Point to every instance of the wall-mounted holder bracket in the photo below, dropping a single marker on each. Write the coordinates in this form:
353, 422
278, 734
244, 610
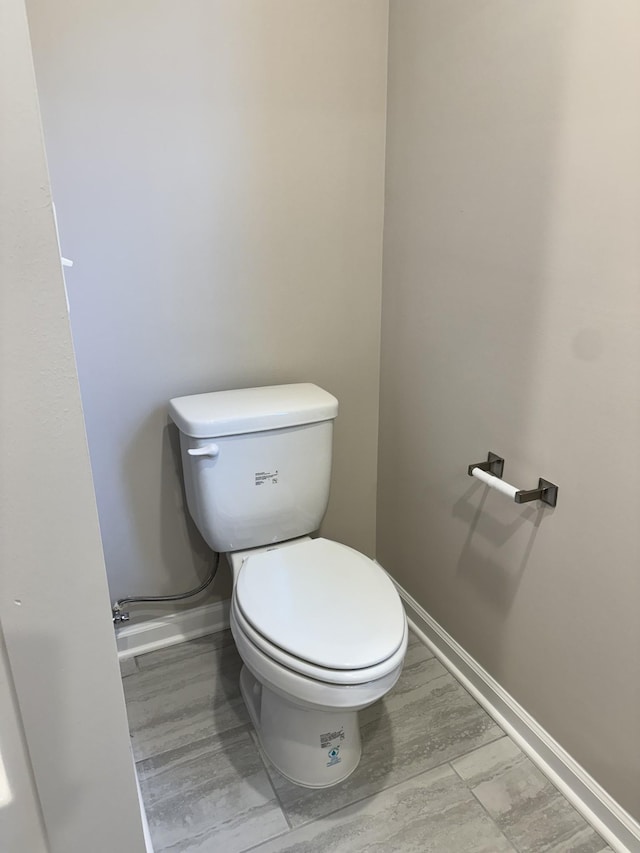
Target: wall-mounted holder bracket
546, 492
494, 465
490, 473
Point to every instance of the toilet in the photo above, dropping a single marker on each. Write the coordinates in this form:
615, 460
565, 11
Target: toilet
319, 626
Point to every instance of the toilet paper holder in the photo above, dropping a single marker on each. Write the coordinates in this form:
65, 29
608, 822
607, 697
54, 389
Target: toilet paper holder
490, 473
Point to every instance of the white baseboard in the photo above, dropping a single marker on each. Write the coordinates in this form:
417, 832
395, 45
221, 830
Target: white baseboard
619, 829
172, 628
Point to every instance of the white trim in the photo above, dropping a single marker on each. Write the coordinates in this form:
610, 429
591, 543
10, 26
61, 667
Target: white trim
619, 829
169, 629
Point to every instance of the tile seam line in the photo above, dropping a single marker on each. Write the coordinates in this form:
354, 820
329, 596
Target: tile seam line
167, 649
484, 808
557, 792
236, 729
390, 787
385, 790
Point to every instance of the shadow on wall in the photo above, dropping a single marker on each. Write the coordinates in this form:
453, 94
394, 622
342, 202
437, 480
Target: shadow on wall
496, 581
184, 558
175, 519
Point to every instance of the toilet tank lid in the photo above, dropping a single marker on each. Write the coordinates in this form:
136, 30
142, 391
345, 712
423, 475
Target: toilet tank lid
245, 410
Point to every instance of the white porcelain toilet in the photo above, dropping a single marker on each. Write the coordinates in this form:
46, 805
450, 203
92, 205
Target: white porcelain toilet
320, 627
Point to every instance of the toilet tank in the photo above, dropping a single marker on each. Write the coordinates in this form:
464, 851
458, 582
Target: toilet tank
256, 462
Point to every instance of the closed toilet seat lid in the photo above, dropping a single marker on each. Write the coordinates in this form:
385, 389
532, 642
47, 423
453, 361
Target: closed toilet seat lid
322, 602
352, 677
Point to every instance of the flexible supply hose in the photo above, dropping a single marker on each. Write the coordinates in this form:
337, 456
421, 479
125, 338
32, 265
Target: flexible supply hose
116, 610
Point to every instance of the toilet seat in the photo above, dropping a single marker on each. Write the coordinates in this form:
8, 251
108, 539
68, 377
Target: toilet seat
318, 673
323, 610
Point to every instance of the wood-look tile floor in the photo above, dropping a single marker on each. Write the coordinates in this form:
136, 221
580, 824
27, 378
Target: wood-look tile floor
437, 774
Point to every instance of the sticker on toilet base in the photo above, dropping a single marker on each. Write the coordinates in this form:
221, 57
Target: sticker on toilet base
334, 756
331, 741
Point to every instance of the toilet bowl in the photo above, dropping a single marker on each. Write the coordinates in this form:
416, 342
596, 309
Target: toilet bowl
320, 627
303, 688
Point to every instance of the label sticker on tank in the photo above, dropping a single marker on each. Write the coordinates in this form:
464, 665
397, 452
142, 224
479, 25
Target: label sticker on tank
263, 477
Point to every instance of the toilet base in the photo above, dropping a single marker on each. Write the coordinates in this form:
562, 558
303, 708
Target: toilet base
311, 747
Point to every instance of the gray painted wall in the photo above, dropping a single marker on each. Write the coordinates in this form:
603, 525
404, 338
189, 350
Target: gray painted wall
60, 684
218, 177
511, 322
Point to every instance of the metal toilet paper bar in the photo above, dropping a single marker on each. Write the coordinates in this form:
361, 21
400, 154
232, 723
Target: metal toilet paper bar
490, 473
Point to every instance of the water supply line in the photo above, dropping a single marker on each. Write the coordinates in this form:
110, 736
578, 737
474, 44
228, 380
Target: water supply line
119, 615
